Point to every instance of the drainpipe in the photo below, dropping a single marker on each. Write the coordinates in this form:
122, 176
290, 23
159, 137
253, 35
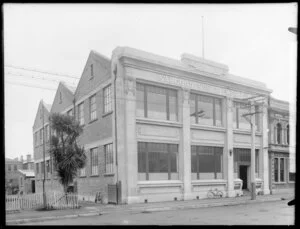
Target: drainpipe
116, 136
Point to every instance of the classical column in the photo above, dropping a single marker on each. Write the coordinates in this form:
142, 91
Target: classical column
186, 145
130, 136
228, 151
264, 155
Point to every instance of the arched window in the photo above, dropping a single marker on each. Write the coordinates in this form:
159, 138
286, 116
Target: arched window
288, 134
279, 130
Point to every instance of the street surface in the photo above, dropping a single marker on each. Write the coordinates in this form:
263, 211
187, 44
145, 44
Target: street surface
268, 213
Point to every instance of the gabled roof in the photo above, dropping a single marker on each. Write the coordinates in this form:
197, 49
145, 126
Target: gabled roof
63, 98
38, 117
27, 173
101, 68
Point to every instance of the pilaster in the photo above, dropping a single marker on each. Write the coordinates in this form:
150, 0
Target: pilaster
228, 151
186, 146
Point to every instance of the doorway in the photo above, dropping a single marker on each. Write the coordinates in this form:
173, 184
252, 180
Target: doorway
33, 186
244, 175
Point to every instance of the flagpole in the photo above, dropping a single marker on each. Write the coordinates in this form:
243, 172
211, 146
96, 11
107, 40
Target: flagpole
202, 38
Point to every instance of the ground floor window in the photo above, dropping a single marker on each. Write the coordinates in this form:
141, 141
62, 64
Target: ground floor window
109, 166
243, 156
279, 169
206, 162
157, 161
292, 177
94, 161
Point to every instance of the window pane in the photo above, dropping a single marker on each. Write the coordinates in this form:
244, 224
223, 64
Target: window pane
205, 110
279, 129
243, 123
108, 158
107, 99
193, 108
173, 105
281, 169
276, 169
194, 162
156, 103
218, 110
140, 100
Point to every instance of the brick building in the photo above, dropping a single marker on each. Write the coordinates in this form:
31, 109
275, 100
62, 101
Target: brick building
163, 129
11, 175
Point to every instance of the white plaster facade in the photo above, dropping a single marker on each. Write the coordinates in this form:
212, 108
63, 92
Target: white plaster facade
190, 75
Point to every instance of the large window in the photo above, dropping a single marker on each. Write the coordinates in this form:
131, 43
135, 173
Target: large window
279, 169
288, 134
47, 134
242, 156
93, 108
156, 102
206, 162
94, 161
206, 110
279, 133
80, 114
107, 99
157, 161
108, 150
240, 122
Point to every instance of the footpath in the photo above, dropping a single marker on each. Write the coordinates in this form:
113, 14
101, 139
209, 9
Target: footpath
93, 209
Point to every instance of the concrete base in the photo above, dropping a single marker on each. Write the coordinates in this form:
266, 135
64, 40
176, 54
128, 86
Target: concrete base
133, 199
231, 193
188, 196
267, 191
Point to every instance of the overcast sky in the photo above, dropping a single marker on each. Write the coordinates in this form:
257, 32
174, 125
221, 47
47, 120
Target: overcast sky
253, 40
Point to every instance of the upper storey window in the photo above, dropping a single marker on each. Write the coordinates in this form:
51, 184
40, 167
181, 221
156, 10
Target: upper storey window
239, 121
278, 135
156, 102
206, 110
80, 114
288, 134
107, 99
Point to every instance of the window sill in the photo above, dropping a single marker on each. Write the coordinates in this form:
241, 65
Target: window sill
158, 122
94, 120
202, 127
96, 175
106, 114
205, 182
108, 174
160, 183
83, 176
244, 131
281, 182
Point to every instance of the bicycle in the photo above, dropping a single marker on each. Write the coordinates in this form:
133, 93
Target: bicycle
214, 193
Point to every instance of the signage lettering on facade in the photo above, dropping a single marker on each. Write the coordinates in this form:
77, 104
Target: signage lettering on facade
203, 87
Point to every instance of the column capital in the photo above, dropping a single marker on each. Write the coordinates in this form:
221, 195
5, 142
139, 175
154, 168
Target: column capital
130, 86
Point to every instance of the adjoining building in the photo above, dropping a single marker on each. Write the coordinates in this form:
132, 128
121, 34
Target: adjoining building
159, 129
281, 148
11, 175
26, 181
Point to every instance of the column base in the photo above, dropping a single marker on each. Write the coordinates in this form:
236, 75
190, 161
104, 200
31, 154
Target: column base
267, 191
187, 196
231, 193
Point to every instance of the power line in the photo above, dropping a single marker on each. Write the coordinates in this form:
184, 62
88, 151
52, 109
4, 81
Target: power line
27, 85
40, 71
37, 77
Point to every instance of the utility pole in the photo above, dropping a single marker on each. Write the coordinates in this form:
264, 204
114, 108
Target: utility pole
44, 179
202, 38
252, 166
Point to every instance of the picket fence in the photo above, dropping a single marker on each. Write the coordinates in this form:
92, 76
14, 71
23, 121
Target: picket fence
54, 200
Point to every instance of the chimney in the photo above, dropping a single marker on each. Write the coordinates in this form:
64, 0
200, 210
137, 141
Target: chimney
21, 158
28, 157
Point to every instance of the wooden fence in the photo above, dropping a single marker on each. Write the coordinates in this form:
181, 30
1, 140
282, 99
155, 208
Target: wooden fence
54, 200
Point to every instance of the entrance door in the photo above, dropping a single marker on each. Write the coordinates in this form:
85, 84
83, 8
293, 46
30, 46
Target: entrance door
33, 186
243, 175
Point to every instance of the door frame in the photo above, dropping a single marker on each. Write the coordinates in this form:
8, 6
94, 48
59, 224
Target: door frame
248, 172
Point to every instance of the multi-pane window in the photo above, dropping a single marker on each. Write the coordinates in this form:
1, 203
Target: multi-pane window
292, 177
241, 155
108, 150
82, 172
156, 102
206, 162
80, 114
70, 112
240, 122
288, 134
15, 167
94, 161
206, 110
157, 161
107, 99
41, 136
279, 133
36, 138
279, 169
93, 108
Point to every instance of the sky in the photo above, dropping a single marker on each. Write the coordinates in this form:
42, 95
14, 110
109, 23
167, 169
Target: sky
251, 39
